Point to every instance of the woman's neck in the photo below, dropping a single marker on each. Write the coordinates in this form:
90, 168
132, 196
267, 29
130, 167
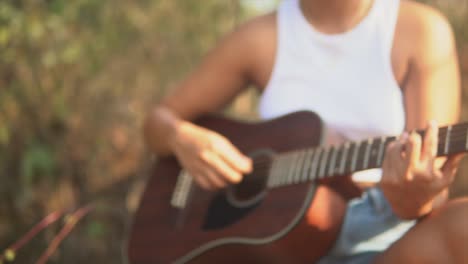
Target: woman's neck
335, 16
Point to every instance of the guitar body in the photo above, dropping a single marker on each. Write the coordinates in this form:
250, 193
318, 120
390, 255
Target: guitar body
291, 224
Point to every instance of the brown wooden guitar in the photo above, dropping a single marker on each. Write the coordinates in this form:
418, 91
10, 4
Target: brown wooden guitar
288, 210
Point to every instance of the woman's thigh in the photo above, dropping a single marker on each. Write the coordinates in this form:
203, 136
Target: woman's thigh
442, 237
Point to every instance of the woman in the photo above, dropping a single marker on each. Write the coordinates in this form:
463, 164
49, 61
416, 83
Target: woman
368, 68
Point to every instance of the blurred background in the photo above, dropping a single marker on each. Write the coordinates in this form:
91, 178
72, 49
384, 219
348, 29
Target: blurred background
76, 78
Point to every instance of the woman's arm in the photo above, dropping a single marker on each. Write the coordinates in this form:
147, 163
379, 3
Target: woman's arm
209, 157
414, 181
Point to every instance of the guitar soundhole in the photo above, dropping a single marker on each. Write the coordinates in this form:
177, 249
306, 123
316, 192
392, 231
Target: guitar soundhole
239, 200
252, 188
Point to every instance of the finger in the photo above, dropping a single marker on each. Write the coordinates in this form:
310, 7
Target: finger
234, 157
214, 179
400, 157
204, 171
402, 150
222, 168
447, 173
387, 176
451, 164
413, 153
442, 179
202, 182
392, 163
429, 146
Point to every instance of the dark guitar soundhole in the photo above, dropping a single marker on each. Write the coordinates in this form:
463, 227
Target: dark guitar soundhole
222, 214
252, 188
238, 200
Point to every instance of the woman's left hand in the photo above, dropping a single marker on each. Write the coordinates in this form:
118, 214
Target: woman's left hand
412, 179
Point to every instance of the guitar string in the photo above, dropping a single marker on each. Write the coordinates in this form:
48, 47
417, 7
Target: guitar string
262, 166
268, 160
456, 137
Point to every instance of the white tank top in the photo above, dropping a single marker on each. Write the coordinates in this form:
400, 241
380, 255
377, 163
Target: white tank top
346, 78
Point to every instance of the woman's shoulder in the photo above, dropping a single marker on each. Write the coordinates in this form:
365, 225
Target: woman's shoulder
257, 29
424, 31
255, 42
423, 23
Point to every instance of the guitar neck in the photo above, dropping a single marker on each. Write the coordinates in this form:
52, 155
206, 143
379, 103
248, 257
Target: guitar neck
317, 163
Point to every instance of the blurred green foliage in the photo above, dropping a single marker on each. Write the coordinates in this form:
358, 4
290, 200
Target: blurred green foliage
37, 160
96, 229
75, 78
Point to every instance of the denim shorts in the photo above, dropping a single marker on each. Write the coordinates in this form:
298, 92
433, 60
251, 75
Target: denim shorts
369, 227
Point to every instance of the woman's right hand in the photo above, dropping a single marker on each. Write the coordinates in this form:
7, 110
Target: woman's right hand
211, 159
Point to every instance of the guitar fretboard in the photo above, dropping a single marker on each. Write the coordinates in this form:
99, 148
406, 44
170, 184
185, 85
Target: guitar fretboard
320, 162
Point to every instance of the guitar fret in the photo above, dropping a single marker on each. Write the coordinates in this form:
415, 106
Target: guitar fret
361, 156
381, 151
274, 172
373, 153
466, 140
314, 166
291, 164
279, 161
306, 165
354, 157
299, 164
349, 159
447, 140
343, 158
456, 145
308, 159
292, 167
331, 167
299, 167
278, 170
366, 154
283, 169
337, 163
271, 173
323, 163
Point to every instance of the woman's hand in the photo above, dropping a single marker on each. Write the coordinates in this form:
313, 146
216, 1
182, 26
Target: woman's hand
411, 179
208, 157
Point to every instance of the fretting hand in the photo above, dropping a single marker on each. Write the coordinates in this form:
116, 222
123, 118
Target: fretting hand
412, 180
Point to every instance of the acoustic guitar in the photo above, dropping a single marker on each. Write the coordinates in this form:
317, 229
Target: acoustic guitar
288, 210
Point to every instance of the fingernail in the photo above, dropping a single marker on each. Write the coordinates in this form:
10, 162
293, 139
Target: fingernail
433, 123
